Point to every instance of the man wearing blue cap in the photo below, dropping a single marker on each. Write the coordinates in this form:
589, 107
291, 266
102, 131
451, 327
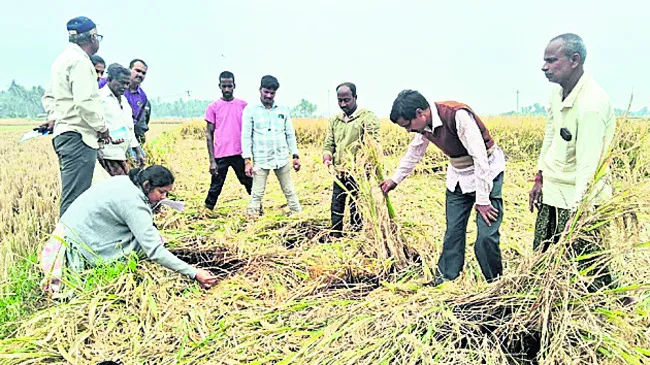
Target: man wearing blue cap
72, 101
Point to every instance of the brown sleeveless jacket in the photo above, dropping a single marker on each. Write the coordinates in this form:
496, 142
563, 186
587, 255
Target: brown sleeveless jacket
446, 136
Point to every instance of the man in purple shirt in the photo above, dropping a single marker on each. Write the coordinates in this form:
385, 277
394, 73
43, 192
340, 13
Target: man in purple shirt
223, 134
138, 99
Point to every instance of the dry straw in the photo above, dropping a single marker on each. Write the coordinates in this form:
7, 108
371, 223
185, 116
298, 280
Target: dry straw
285, 298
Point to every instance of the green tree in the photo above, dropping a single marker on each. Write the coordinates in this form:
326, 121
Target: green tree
304, 110
18, 102
178, 109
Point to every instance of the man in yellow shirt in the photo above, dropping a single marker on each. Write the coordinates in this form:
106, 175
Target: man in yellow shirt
72, 102
579, 130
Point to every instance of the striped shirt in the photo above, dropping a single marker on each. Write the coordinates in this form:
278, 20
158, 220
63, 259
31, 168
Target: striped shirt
268, 136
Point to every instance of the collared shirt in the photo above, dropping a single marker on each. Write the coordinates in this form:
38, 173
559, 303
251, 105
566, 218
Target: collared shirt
226, 115
118, 114
568, 167
345, 135
268, 136
72, 97
476, 178
137, 99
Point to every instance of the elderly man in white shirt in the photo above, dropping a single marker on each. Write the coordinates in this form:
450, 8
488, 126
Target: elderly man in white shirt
474, 177
580, 129
117, 111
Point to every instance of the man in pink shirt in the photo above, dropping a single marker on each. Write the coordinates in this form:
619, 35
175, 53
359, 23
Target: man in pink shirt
223, 134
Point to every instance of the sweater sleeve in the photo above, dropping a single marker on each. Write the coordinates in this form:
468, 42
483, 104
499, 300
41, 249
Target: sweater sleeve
328, 144
372, 127
140, 223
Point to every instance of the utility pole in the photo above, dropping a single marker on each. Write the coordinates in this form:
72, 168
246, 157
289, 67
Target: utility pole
517, 101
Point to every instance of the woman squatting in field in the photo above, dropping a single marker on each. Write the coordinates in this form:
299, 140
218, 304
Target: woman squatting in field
110, 221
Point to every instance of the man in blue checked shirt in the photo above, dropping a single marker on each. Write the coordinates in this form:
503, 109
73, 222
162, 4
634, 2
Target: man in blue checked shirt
268, 138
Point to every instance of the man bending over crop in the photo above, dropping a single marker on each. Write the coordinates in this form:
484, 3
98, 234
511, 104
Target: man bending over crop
474, 177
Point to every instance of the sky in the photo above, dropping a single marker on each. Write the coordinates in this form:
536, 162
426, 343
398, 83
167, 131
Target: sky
476, 52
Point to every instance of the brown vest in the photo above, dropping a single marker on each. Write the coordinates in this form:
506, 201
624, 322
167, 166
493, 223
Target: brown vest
446, 136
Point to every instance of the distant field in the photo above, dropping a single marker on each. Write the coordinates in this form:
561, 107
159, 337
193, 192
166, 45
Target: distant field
25, 125
35, 122
15, 127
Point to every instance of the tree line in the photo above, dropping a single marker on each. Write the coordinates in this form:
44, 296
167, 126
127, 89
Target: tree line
20, 102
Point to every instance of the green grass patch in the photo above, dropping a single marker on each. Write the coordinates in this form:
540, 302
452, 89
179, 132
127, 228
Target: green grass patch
20, 294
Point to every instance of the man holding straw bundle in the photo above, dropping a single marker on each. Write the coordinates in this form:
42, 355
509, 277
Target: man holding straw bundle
474, 177
345, 135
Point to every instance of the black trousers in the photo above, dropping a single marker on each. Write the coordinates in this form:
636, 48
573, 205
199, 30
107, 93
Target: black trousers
77, 163
216, 184
459, 207
339, 198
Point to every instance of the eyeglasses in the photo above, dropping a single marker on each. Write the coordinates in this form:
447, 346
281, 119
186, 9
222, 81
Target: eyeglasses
99, 37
